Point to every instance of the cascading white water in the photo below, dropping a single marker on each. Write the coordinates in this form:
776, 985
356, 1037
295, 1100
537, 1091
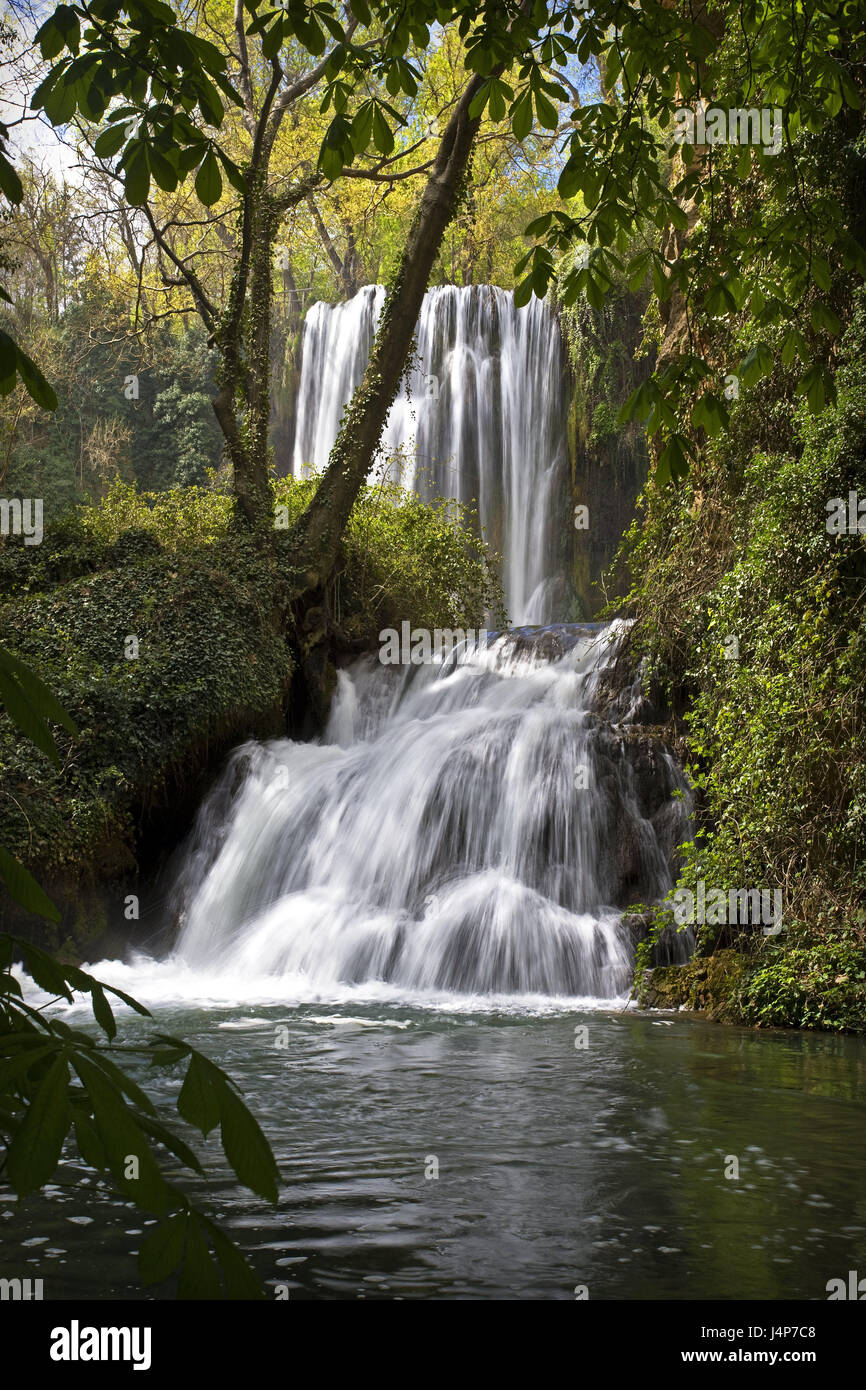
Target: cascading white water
480, 417
467, 827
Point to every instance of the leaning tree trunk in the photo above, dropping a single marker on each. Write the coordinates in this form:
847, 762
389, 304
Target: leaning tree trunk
318, 532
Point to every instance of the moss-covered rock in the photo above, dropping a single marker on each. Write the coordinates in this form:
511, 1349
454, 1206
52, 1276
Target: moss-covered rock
706, 983
163, 663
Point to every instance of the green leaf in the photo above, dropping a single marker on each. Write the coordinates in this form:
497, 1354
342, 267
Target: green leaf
89, 1143
538, 227
310, 36
233, 173
60, 103
197, 1102
330, 162
102, 1012
523, 292
198, 1275
50, 39
521, 116
720, 301
122, 1138
820, 268
110, 141
362, 126
39, 704
272, 39
570, 181
165, 175
638, 404
208, 180
383, 137
22, 886
161, 1252
823, 319
637, 270
710, 414
35, 1151
239, 1278
209, 103
35, 384
171, 1141
47, 972
546, 112
136, 181
27, 1057
794, 346
10, 183
672, 464
817, 386
757, 363
480, 100
246, 1148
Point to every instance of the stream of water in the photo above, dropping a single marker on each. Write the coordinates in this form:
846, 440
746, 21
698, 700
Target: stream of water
557, 1167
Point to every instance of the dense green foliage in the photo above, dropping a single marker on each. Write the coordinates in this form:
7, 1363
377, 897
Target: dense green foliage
404, 558
164, 435
753, 613
737, 230
64, 1091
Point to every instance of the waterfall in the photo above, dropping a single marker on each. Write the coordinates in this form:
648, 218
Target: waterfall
480, 417
472, 826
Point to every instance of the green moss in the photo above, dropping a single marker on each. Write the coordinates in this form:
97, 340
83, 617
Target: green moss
709, 984
817, 984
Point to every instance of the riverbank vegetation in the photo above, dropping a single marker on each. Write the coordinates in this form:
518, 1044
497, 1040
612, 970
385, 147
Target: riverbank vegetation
748, 585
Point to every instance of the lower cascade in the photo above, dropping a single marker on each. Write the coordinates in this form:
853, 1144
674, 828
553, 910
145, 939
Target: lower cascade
473, 826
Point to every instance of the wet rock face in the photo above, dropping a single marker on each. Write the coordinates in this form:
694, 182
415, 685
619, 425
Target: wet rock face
547, 642
641, 803
645, 822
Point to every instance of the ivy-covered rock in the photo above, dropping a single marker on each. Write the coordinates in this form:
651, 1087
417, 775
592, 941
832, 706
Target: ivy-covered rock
161, 663
707, 983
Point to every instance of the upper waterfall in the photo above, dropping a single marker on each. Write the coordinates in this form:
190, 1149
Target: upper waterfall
480, 417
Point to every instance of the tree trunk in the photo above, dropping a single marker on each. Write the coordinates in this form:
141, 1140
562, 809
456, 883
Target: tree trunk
242, 402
